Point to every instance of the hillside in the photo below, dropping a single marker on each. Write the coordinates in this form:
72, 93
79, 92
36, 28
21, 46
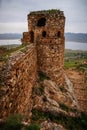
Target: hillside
10, 36
76, 37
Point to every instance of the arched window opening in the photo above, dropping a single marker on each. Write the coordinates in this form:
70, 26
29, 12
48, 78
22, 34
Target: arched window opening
31, 36
59, 34
41, 22
44, 34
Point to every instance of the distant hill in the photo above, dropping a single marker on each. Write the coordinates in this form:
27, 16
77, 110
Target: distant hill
10, 36
76, 37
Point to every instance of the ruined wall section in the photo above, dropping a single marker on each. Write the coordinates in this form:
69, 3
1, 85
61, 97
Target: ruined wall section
18, 76
26, 38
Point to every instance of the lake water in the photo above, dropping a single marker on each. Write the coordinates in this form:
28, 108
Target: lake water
10, 42
76, 45
68, 45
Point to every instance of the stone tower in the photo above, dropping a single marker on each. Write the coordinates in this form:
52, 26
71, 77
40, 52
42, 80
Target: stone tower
46, 32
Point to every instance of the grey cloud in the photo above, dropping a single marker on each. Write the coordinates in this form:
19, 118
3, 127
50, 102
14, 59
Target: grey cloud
0, 3
17, 10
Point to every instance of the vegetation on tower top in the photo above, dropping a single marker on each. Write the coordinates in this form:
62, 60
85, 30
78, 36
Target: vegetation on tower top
50, 11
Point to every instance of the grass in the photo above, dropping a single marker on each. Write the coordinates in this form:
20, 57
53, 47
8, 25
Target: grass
64, 107
38, 90
1, 82
77, 65
67, 109
37, 115
62, 89
53, 10
13, 122
33, 127
82, 67
9, 46
7, 52
41, 90
75, 59
50, 11
70, 123
43, 76
70, 64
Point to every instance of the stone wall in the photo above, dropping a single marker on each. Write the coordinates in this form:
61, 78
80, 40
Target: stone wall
50, 58
18, 76
26, 38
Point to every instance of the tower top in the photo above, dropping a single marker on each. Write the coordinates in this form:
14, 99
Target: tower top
47, 19
47, 12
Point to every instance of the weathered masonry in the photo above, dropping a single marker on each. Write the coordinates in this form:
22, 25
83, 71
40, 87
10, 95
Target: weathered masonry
44, 53
46, 32
18, 76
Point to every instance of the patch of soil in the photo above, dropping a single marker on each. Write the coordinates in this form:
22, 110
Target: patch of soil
80, 89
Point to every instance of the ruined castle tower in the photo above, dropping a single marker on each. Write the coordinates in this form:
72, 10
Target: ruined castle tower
46, 32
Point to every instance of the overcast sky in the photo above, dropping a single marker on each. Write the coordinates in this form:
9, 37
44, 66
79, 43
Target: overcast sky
13, 14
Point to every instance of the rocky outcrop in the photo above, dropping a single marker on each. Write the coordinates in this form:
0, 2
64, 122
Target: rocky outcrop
49, 97
48, 125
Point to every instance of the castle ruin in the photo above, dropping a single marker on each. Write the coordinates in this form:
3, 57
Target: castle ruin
46, 33
44, 53
22, 91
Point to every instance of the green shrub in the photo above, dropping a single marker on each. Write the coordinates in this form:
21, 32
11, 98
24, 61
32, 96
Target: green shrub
33, 127
13, 122
43, 76
41, 89
62, 89
70, 123
64, 107
37, 115
0, 82
38, 90
70, 64
82, 67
